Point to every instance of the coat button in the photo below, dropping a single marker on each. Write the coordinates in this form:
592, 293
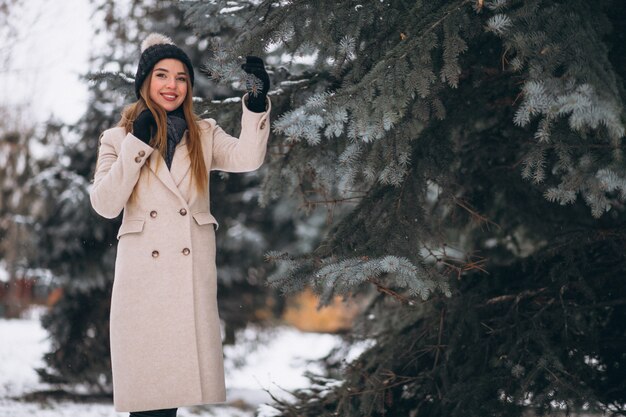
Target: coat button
153, 214
155, 253
142, 153
138, 159
183, 212
186, 251
263, 124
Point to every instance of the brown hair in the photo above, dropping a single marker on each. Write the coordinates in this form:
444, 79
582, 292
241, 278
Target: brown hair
199, 171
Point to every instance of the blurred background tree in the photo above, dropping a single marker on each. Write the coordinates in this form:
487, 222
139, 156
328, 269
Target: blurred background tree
470, 153
19, 161
8, 29
17, 166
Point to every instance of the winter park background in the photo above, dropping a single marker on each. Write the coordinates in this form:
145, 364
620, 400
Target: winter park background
444, 178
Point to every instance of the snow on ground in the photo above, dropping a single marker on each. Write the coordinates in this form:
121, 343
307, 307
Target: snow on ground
277, 361
273, 360
22, 346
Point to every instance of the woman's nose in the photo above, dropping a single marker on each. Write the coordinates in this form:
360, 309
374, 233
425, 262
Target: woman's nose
171, 82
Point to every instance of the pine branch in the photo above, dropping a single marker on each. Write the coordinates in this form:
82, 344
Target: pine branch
475, 215
516, 297
385, 290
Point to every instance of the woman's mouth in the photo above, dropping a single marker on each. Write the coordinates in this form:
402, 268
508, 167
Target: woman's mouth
169, 96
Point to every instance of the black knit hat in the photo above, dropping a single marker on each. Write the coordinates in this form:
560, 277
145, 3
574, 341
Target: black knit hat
153, 49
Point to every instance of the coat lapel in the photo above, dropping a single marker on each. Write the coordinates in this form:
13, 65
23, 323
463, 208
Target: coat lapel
181, 164
163, 173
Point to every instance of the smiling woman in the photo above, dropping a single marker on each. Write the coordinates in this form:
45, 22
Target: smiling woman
166, 349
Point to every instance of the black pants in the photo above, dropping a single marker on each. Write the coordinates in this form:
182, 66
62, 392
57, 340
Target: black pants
168, 412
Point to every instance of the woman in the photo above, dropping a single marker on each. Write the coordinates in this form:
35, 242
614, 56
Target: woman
166, 349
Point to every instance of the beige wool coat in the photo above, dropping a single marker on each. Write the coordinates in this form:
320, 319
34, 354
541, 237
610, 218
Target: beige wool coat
166, 348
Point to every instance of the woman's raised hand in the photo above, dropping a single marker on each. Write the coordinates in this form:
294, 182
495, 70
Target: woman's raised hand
256, 94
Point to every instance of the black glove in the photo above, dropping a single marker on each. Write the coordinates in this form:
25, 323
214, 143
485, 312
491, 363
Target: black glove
256, 98
144, 126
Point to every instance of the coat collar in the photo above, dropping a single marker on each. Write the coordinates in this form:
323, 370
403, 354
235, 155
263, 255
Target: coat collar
181, 165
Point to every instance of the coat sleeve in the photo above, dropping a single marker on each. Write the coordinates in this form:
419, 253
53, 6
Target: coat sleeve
116, 172
248, 152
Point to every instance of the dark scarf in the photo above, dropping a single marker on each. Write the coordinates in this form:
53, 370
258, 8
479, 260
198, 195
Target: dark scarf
176, 126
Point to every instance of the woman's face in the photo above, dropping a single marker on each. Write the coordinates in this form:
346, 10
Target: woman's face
168, 84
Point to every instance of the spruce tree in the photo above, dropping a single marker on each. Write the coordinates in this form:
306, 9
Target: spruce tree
470, 155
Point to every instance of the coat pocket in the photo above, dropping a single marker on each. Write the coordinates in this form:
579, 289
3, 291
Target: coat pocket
130, 226
204, 217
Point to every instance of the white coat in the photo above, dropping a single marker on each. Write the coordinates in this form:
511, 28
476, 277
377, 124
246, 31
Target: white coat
166, 348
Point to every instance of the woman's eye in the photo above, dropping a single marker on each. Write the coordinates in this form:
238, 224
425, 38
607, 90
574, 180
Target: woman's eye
161, 75
183, 79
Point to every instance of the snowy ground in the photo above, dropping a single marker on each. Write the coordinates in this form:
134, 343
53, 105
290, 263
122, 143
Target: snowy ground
273, 361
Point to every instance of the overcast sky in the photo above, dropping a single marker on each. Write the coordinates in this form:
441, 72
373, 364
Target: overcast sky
49, 56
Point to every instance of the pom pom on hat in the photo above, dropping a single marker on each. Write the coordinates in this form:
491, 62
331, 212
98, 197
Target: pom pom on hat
153, 49
155, 39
